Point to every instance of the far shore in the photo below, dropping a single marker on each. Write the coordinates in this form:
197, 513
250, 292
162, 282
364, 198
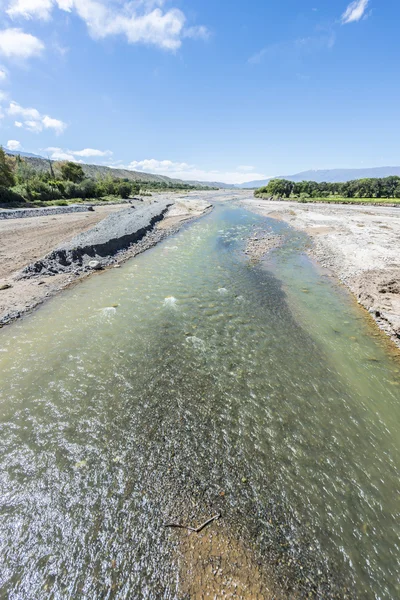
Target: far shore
358, 243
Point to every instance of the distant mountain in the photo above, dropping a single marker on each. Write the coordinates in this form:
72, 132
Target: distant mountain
42, 164
329, 175
23, 154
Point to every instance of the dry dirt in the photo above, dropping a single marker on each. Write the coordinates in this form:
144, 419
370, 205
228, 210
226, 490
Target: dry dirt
24, 240
360, 244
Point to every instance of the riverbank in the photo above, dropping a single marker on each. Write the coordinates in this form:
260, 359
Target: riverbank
358, 243
31, 249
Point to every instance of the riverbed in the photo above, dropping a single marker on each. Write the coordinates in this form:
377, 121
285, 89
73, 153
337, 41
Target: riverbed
193, 382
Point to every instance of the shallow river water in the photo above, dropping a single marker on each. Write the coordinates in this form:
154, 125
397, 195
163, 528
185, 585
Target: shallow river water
188, 383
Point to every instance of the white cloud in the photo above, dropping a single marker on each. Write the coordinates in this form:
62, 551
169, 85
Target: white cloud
355, 11
13, 145
3, 74
182, 170
62, 154
139, 21
14, 43
91, 152
3, 96
27, 113
56, 124
30, 8
33, 120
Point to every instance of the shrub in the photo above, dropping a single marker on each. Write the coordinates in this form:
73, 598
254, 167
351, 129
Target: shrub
124, 190
8, 196
36, 189
107, 186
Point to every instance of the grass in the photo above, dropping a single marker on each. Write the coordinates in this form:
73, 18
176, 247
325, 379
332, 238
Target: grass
341, 200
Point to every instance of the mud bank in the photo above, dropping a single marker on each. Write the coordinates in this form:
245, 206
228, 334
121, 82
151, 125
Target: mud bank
358, 243
120, 236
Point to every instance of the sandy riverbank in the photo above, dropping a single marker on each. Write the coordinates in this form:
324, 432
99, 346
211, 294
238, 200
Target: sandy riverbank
359, 244
27, 241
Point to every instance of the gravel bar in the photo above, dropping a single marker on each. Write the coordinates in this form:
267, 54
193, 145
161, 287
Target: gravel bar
99, 245
24, 213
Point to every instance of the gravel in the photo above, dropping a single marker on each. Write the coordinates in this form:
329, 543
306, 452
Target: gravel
116, 232
24, 213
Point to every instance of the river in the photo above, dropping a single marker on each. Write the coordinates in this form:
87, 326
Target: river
187, 383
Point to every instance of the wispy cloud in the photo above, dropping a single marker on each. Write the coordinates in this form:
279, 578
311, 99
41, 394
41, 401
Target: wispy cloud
182, 170
139, 21
355, 11
299, 47
33, 121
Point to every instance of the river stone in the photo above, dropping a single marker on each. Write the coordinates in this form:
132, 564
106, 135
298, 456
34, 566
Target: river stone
95, 265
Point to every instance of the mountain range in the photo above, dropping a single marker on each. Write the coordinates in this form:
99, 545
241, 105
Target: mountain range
39, 163
328, 175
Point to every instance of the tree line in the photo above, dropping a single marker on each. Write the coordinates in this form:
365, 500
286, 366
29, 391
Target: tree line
20, 182
387, 187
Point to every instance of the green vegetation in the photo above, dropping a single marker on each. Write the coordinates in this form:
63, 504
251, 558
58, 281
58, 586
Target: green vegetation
72, 172
6, 173
386, 190
20, 182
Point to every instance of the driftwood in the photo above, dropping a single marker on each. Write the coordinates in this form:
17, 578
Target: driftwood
195, 529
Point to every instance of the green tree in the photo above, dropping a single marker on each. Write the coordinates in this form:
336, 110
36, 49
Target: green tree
71, 171
6, 175
124, 189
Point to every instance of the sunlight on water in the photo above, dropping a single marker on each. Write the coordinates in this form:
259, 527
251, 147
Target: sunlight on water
190, 382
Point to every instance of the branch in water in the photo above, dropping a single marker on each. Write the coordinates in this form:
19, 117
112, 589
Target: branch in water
195, 529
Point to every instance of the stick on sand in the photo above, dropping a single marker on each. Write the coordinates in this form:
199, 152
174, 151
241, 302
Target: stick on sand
195, 529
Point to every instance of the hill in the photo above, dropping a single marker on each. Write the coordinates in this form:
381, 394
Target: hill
23, 154
329, 176
96, 171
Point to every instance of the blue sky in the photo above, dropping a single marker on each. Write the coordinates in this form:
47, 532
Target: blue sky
203, 89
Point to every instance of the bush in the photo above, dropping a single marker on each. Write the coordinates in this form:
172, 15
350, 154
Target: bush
107, 186
61, 203
8, 196
36, 189
124, 190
